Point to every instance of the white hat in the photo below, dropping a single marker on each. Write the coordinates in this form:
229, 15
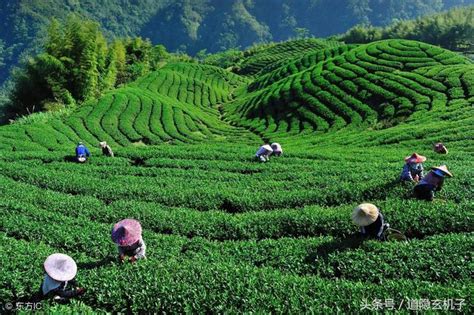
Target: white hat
60, 267
267, 147
276, 146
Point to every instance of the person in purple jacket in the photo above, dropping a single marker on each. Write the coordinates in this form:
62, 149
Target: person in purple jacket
431, 183
82, 153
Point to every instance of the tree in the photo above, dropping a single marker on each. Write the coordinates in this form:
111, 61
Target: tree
77, 65
157, 55
118, 61
301, 33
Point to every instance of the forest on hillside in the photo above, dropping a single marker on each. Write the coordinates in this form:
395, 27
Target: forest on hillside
77, 62
194, 25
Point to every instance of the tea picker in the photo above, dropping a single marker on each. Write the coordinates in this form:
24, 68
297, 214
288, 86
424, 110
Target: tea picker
127, 234
277, 150
59, 281
82, 153
431, 183
440, 148
264, 152
370, 220
106, 149
413, 168
372, 224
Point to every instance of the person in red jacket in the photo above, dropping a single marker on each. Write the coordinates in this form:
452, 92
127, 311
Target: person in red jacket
432, 182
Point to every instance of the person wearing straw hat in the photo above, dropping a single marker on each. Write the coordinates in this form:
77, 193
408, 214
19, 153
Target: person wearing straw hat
370, 220
59, 281
82, 153
413, 169
106, 149
277, 150
264, 152
127, 234
440, 148
432, 182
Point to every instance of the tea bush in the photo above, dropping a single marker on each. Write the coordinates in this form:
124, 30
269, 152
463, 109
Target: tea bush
228, 234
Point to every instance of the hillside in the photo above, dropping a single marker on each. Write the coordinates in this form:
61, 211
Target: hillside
192, 26
226, 233
339, 87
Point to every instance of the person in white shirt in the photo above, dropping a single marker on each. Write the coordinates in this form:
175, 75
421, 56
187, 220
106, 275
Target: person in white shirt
59, 280
264, 152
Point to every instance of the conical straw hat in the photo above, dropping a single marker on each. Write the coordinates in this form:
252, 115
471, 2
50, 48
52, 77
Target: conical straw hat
365, 214
444, 169
60, 267
440, 148
415, 158
126, 232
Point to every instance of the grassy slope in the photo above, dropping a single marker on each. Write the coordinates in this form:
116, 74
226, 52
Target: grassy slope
227, 233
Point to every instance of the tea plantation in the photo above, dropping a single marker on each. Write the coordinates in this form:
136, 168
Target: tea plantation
226, 233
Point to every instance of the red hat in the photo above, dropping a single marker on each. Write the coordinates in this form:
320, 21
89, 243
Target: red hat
126, 232
415, 158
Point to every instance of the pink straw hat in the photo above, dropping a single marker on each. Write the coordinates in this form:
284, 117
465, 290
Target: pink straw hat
415, 158
126, 232
60, 267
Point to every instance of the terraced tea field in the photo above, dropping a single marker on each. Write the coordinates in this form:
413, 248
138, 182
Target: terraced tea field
227, 234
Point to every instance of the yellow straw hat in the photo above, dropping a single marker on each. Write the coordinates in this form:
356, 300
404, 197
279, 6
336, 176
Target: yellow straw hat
365, 214
443, 169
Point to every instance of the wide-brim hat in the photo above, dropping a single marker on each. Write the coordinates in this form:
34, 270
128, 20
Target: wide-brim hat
126, 232
440, 148
267, 147
275, 145
60, 267
415, 158
365, 214
444, 169
102, 144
